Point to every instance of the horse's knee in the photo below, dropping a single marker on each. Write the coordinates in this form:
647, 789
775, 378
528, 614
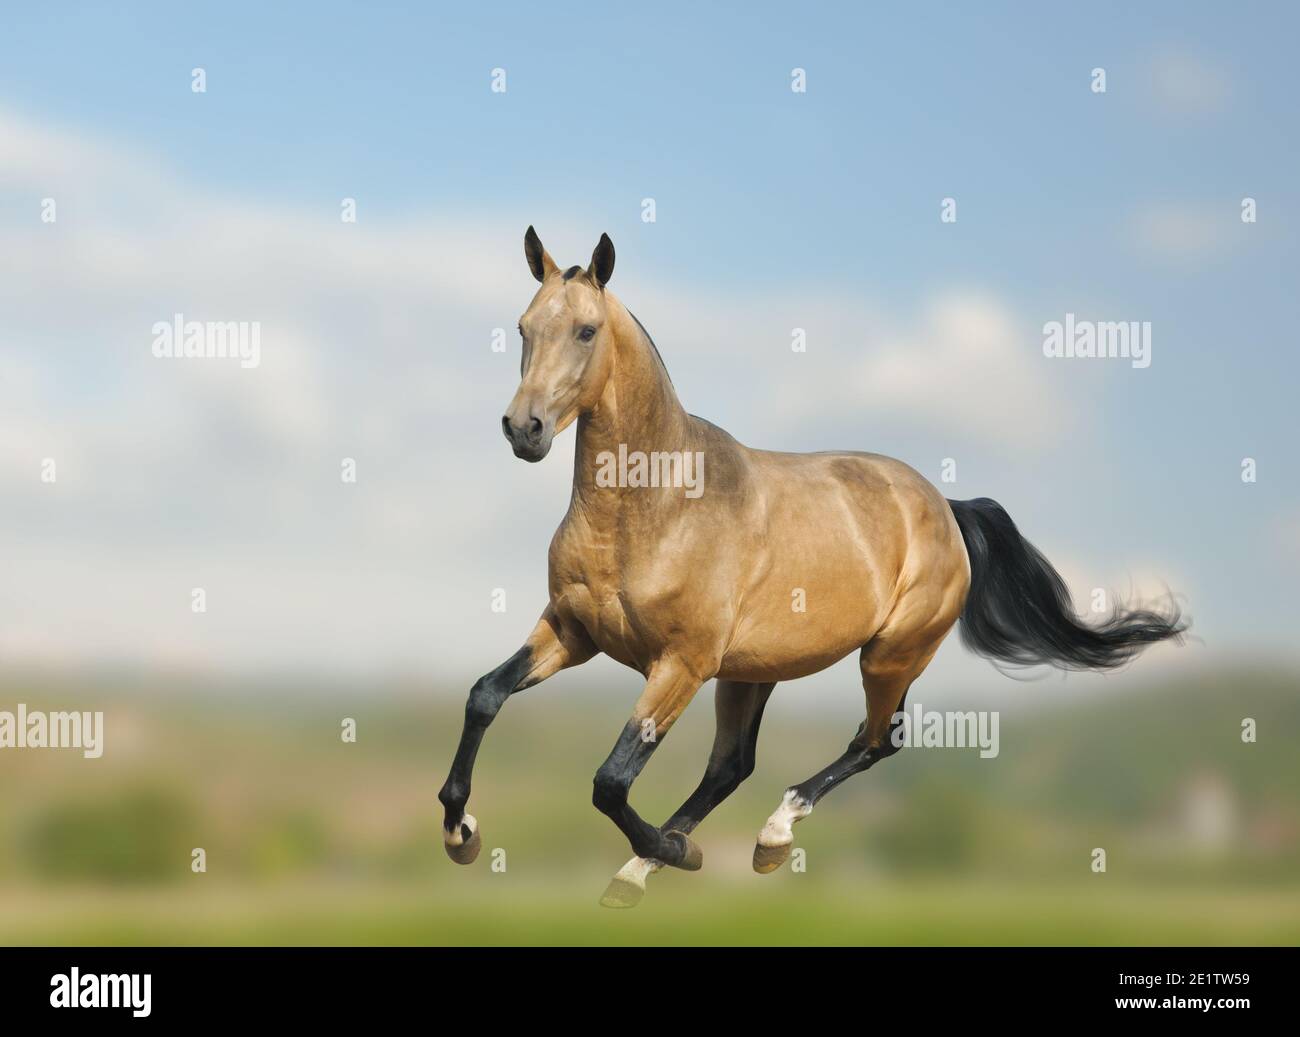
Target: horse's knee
486, 698
608, 790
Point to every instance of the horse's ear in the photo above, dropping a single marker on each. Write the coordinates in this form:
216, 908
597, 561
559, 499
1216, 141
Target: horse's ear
539, 260
602, 261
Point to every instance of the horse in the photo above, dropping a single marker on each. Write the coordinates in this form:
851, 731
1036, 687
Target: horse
687, 565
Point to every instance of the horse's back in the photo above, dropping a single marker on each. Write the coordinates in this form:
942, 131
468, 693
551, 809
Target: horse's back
884, 498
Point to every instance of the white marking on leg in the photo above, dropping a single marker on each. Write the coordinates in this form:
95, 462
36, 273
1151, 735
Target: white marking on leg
637, 870
779, 830
456, 836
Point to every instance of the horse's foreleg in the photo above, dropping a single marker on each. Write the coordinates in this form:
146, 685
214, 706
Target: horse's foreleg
669, 688
739, 710
548, 650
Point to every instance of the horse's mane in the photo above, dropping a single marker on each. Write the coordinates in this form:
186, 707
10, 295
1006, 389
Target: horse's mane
662, 365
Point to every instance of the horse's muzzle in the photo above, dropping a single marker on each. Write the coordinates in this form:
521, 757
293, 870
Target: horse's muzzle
530, 440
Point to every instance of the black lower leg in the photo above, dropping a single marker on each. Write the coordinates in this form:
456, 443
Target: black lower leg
610, 791
856, 758
739, 708
485, 701
714, 787
721, 778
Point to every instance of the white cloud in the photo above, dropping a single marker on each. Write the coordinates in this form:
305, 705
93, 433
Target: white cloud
966, 366
1286, 535
1184, 232
1187, 83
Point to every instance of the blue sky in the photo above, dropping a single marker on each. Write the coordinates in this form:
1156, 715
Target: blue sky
774, 210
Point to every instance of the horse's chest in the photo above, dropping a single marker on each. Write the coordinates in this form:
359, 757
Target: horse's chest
600, 610
590, 588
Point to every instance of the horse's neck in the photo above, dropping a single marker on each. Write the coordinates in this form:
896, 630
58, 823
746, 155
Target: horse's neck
638, 410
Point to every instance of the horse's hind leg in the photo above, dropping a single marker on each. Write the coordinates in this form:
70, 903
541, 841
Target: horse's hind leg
887, 673
739, 710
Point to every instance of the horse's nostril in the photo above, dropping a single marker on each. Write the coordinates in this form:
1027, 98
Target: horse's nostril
505, 424
534, 427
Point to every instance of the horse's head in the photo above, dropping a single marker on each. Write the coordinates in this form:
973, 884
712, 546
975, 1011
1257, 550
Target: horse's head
566, 348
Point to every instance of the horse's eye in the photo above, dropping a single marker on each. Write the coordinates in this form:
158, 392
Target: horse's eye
587, 334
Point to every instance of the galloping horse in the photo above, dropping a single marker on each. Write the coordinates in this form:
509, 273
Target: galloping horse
686, 585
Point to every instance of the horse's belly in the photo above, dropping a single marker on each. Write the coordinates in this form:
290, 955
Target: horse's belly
813, 604
801, 631
773, 654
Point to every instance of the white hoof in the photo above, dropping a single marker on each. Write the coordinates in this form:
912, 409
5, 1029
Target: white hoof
462, 848
457, 837
628, 887
776, 840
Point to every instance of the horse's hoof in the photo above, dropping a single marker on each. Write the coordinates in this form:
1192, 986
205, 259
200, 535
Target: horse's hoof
465, 849
622, 892
768, 858
692, 855
628, 887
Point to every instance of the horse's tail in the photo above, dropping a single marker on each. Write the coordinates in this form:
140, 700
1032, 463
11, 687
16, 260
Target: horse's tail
1018, 610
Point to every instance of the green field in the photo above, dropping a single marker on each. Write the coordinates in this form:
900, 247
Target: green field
739, 910
313, 841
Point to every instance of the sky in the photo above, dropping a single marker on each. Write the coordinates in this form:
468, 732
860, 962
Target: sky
774, 210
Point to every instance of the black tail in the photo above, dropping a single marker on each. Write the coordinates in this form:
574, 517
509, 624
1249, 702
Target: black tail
1018, 611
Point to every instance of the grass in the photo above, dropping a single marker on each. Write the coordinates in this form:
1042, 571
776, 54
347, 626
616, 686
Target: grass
784, 909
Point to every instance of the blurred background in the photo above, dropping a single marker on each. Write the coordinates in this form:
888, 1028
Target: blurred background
774, 211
